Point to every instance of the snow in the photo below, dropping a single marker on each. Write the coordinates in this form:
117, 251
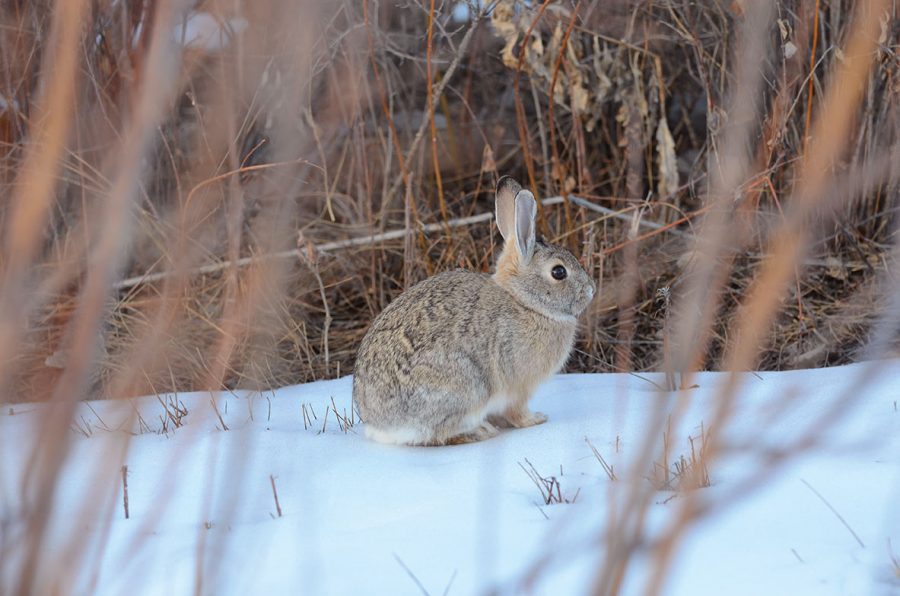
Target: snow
361, 517
201, 31
204, 31
462, 12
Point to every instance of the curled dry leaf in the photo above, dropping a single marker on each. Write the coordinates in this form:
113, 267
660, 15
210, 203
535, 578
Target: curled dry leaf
785, 28
503, 19
666, 160
571, 89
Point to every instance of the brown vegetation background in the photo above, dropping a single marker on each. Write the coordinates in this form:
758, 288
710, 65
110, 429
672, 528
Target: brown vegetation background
247, 193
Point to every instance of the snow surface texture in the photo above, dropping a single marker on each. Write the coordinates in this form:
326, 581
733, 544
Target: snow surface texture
360, 517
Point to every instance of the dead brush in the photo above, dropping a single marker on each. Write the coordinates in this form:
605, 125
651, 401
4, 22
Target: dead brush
549, 486
82, 427
610, 117
610, 473
309, 415
345, 421
174, 412
685, 473
275, 496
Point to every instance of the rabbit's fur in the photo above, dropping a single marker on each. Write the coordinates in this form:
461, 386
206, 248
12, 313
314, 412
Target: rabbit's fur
461, 353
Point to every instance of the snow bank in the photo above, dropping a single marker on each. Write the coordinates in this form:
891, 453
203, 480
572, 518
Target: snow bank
359, 517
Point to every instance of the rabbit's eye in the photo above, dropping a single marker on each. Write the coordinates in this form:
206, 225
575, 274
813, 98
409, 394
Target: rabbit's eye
559, 272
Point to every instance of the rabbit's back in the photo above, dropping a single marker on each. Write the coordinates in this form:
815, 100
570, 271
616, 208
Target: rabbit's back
448, 318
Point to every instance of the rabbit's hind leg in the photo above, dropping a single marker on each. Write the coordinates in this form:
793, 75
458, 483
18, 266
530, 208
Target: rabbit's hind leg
484, 431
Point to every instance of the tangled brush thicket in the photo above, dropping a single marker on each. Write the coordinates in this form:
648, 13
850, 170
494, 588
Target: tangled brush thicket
586, 74
309, 127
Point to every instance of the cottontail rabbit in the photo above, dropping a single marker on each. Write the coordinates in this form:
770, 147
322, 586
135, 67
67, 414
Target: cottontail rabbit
461, 353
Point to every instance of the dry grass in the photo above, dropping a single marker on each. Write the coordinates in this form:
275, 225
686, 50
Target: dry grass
688, 471
549, 486
219, 191
233, 217
607, 468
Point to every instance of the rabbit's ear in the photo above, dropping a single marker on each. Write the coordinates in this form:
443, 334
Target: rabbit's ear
505, 205
526, 210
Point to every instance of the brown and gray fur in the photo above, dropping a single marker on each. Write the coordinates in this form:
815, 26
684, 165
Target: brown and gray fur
461, 353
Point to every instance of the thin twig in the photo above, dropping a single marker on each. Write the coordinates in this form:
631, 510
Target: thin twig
606, 467
438, 92
125, 490
439, 183
411, 575
147, 278
450, 583
312, 261
834, 511
551, 101
212, 400
275, 494
521, 120
812, 77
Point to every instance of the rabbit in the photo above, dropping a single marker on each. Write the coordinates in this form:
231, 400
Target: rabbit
460, 354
